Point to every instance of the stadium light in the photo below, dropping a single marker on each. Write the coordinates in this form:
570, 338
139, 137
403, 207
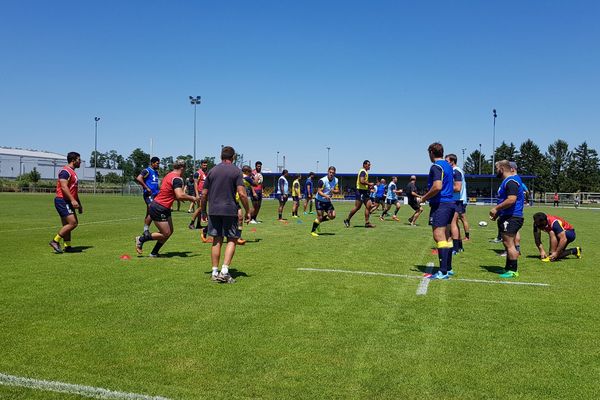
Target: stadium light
493, 154
96, 119
479, 158
463, 151
194, 101
277, 164
317, 166
328, 148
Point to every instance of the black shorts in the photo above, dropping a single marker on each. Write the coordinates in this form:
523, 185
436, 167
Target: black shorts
414, 204
63, 207
296, 198
223, 226
148, 198
510, 225
324, 206
159, 213
282, 197
363, 195
379, 200
461, 207
391, 201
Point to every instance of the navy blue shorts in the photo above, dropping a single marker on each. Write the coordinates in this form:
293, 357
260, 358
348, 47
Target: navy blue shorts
461, 207
363, 195
391, 201
148, 198
570, 233
64, 209
282, 197
441, 214
324, 206
295, 198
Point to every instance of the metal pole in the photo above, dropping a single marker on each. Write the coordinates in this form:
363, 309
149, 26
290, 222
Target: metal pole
317, 166
194, 101
463, 159
479, 158
96, 119
328, 148
277, 166
493, 156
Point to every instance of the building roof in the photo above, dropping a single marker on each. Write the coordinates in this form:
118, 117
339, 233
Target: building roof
5, 151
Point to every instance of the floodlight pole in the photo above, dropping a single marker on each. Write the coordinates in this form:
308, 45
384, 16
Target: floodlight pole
277, 165
96, 119
194, 101
317, 166
328, 148
479, 158
493, 154
463, 159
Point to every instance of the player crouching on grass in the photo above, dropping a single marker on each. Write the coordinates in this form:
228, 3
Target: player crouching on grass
172, 189
222, 184
326, 187
561, 234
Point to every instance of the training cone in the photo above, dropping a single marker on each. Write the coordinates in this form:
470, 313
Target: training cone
253, 230
125, 257
434, 251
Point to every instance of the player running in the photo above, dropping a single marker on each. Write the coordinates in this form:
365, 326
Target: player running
66, 202
392, 199
148, 180
172, 189
414, 202
363, 187
441, 201
509, 212
326, 188
561, 234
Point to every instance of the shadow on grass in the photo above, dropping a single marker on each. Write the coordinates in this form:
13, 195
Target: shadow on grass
256, 240
79, 249
233, 272
326, 234
498, 251
170, 254
494, 269
425, 269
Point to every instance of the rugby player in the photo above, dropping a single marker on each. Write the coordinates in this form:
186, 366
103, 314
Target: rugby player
199, 176
258, 189
509, 212
282, 193
561, 234
66, 202
392, 199
148, 180
441, 201
222, 184
296, 195
460, 199
326, 188
308, 193
172, 189
379, 196
413, 200
363, 187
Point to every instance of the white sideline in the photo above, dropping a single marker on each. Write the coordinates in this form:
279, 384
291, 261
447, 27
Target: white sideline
60, 387
419, 277
424, 284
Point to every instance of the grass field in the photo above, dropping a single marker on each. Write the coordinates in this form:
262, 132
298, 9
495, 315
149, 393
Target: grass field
160, 327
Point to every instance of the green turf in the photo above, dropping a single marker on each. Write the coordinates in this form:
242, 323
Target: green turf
160, 327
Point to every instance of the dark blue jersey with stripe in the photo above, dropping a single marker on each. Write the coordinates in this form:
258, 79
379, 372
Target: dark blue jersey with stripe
512, 186
441, 170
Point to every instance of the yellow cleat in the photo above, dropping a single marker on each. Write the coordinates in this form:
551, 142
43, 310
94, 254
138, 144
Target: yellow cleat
578, 252
315, 234
547, 259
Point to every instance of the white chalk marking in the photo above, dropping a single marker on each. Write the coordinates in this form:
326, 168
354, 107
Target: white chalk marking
419, 277
424, 284
60, 387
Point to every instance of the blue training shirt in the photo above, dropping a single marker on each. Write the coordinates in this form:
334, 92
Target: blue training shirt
512, 186
326, 187
151, 180
391, 193
441, 170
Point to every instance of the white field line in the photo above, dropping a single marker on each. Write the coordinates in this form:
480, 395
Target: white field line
60, 387
419, 277
424, 284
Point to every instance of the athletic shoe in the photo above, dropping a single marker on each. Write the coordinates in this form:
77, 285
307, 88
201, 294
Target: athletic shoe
191, 226
578, 255
138, 245
496, 240
153, 255
294, 216
315, 234
454, 252
347, 223
55, 246
466, 239
547, 259
190, 211
253, 221
241, 241
305, 213
509, 274
381, 219
225, 278
369, 225
395, 218
215, 278
503, 254
410, 220
69, 249
439, 275
427, 275
451, 272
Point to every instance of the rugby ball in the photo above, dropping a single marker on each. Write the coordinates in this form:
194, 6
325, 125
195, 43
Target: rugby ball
259, 178
482, 223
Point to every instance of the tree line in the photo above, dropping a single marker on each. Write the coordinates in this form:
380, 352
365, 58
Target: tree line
559, 169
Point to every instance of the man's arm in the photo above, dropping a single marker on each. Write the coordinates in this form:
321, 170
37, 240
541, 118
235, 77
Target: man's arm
537, 237
204, 200
140, 179
436, 187
241, 190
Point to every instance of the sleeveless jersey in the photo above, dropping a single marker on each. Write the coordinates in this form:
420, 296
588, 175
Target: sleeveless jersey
166, 195
296, 188
360, 185
328, 187
200, 179
445, 173
391, 193
151, 180
560, 221
282, 181
462, 195
72, 182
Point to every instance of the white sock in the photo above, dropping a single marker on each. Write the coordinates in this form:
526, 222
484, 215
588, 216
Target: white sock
225, 269
146, 228
215, 271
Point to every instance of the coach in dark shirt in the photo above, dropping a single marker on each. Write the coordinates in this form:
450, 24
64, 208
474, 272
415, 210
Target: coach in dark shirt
222, 184
412, 194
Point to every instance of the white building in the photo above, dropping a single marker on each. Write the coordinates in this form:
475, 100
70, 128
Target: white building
15, 162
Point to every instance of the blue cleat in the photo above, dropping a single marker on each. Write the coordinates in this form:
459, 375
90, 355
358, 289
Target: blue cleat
439, 275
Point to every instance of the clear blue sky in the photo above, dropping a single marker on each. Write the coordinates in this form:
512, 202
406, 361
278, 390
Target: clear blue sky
378, 80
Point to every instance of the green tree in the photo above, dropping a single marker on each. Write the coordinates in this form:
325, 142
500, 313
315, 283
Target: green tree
531, 161
112, 177
473, 162
559, 158
114, 159
139, 160
583, 171
506, 152
102, 160
189, 167
34, 176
